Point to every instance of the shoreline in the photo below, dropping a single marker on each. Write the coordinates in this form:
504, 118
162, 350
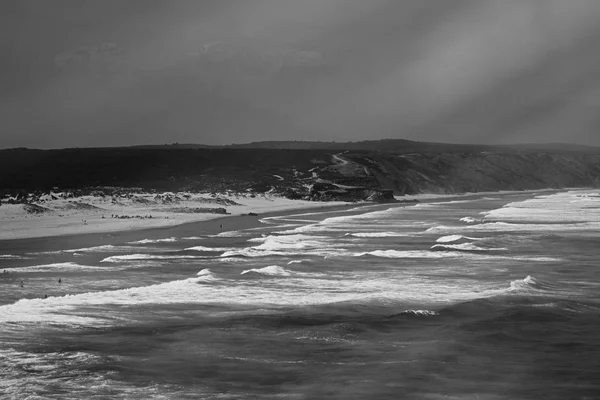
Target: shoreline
98, 215
206, 223
203, 227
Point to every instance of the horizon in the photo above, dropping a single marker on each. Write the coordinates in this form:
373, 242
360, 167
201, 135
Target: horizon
540, 144
117, 74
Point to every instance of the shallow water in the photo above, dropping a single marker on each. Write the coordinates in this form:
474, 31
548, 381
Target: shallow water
479, 298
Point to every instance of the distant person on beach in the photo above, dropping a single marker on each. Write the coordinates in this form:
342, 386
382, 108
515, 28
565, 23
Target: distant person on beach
22, 284
45, 296
59, 281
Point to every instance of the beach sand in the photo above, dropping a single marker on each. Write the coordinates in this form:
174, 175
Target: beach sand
95, 214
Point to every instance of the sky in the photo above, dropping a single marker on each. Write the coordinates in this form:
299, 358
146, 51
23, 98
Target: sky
90, 73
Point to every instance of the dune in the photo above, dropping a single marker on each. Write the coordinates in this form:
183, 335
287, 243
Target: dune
99, 214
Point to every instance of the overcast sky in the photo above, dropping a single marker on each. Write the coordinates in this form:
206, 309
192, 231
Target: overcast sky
121, 72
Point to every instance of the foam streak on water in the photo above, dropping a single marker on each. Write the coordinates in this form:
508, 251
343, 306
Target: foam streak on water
491, 298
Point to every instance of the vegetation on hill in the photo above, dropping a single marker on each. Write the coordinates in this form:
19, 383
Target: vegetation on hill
311, 170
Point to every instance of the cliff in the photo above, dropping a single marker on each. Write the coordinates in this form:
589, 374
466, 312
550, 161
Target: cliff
476, 172
315, 174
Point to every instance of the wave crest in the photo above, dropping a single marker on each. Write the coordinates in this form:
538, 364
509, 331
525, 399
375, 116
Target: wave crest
150, 241
419, 313
454, 238
206, 275
375, 234
271, 270
531, 284
204, 248
465, 247
140, 257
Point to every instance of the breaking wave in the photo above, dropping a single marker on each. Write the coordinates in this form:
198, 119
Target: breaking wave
290, 242
454, 238
271, 270
57, 267
419, 313
403, 254
137, 257
206, 275
107, 248
530, 284
150, 241
303, 261
515, 227
376, 234
465, 247
229, 234
208, 249
255, 252
11, 257
447, 254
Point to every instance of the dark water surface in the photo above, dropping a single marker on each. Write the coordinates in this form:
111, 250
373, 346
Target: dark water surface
486, 297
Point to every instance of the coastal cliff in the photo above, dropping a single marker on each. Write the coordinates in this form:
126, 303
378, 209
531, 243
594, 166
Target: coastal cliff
310, 174
477, 172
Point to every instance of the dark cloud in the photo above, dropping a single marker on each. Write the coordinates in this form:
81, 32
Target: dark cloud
112, 72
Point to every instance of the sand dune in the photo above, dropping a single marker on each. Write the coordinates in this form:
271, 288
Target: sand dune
95, 214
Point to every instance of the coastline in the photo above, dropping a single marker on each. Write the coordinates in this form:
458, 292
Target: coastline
49, 230
96, 215
203, 224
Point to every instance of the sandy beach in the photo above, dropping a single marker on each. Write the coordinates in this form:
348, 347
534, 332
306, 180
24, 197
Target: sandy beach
57, 215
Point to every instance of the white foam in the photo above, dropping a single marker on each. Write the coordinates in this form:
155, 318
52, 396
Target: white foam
367, 221
396, 287
447, 254
254, 252
230, 260
213, 249
420, 312
286, 245
149, 241
108, 248
271, 270
511, 227
56, 267
454, 238
362, 208
287, 238
465, 247
407, 254
582, 206
522, 284
303, 261
10, 257
206, 275
135, 257
443, 203
229, 234
376, 234
100, 249
292, 242
468, 220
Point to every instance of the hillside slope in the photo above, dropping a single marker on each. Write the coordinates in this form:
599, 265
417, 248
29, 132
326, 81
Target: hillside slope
308, 174
475, 172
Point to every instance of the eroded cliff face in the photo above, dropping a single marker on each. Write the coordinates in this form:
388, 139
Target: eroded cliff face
477, 172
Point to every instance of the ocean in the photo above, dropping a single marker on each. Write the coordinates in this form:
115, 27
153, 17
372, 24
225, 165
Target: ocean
490, 296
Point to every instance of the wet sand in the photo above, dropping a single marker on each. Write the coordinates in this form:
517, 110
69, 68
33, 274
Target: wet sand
199, 228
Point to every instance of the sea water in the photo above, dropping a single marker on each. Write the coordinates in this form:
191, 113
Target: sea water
483, 297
